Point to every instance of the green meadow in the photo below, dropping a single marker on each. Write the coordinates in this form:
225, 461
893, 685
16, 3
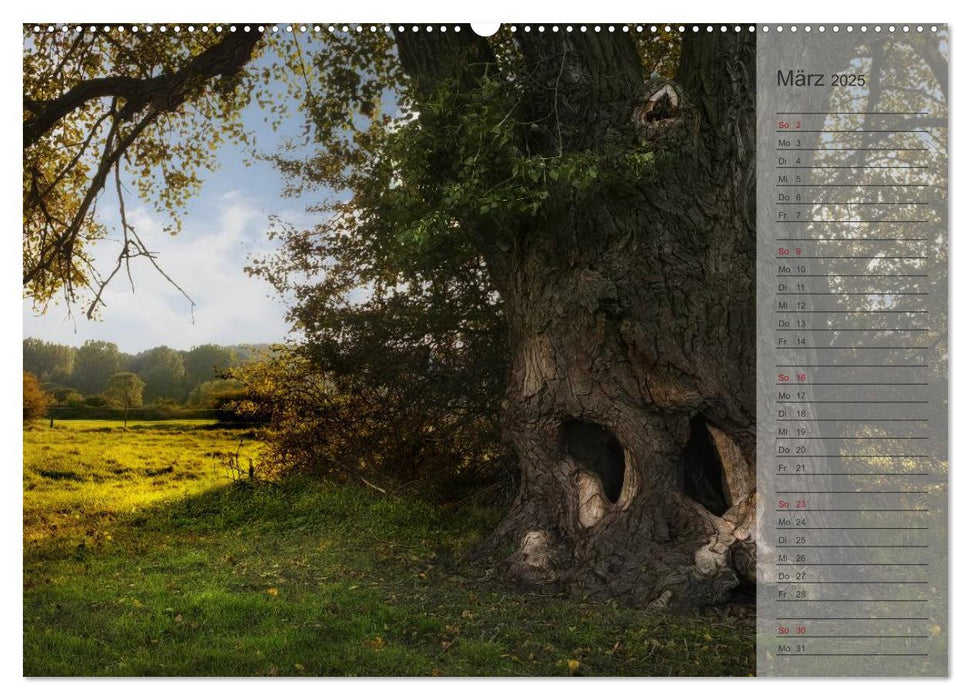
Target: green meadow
144, 554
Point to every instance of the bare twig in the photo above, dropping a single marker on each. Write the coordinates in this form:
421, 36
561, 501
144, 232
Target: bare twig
132, 247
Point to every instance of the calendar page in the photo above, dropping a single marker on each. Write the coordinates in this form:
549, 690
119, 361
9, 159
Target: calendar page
485, 350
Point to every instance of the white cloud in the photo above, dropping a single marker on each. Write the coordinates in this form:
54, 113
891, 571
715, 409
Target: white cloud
206, 259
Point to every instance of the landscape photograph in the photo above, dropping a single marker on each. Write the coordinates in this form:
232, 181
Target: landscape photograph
388, 350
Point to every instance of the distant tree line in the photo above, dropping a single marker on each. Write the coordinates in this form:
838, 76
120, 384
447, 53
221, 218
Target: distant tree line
79, 376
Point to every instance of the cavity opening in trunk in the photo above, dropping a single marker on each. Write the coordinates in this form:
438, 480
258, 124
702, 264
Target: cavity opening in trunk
598, 450
701, 476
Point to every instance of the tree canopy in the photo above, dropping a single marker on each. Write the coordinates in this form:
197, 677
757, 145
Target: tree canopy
163, 372
125, 389
49, 362
105, 109
35, 399
94, 363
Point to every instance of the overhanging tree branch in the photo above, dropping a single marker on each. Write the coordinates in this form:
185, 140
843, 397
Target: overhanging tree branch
60, 194
164, 93
63, 244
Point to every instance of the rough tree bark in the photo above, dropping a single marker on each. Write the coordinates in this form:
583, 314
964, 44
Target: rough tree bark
630, 399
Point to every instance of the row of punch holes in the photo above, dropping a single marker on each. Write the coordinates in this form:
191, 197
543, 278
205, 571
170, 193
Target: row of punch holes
360, 28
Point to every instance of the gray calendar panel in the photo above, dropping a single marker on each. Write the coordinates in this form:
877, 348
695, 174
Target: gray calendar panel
852, 348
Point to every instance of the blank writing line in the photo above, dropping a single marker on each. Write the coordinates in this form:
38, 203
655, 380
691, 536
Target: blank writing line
857, 600
854, 636
852, 528
856, 184
851, 294
852, 510
850, 437
861, 493
885, 204
855, 148
851, 131
845, 564
849, 583
851, 420
797, 403
841, 617
829, 239
846, 654
842, 365
852, 330
797, 114
851, 383
851, 167
852, 474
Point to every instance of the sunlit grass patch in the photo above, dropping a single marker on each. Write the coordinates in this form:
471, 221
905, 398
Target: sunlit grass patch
80, 473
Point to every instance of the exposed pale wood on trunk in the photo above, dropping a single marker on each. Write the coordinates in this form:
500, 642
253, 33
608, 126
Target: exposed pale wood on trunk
738, 474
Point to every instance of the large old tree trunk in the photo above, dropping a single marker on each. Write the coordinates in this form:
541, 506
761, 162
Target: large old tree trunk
631, 395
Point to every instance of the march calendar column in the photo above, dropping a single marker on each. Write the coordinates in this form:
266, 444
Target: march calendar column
852, 347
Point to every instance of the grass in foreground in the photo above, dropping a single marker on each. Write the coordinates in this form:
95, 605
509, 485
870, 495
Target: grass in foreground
132, 568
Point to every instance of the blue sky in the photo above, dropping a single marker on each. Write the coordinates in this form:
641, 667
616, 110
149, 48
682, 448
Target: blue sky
225, 225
